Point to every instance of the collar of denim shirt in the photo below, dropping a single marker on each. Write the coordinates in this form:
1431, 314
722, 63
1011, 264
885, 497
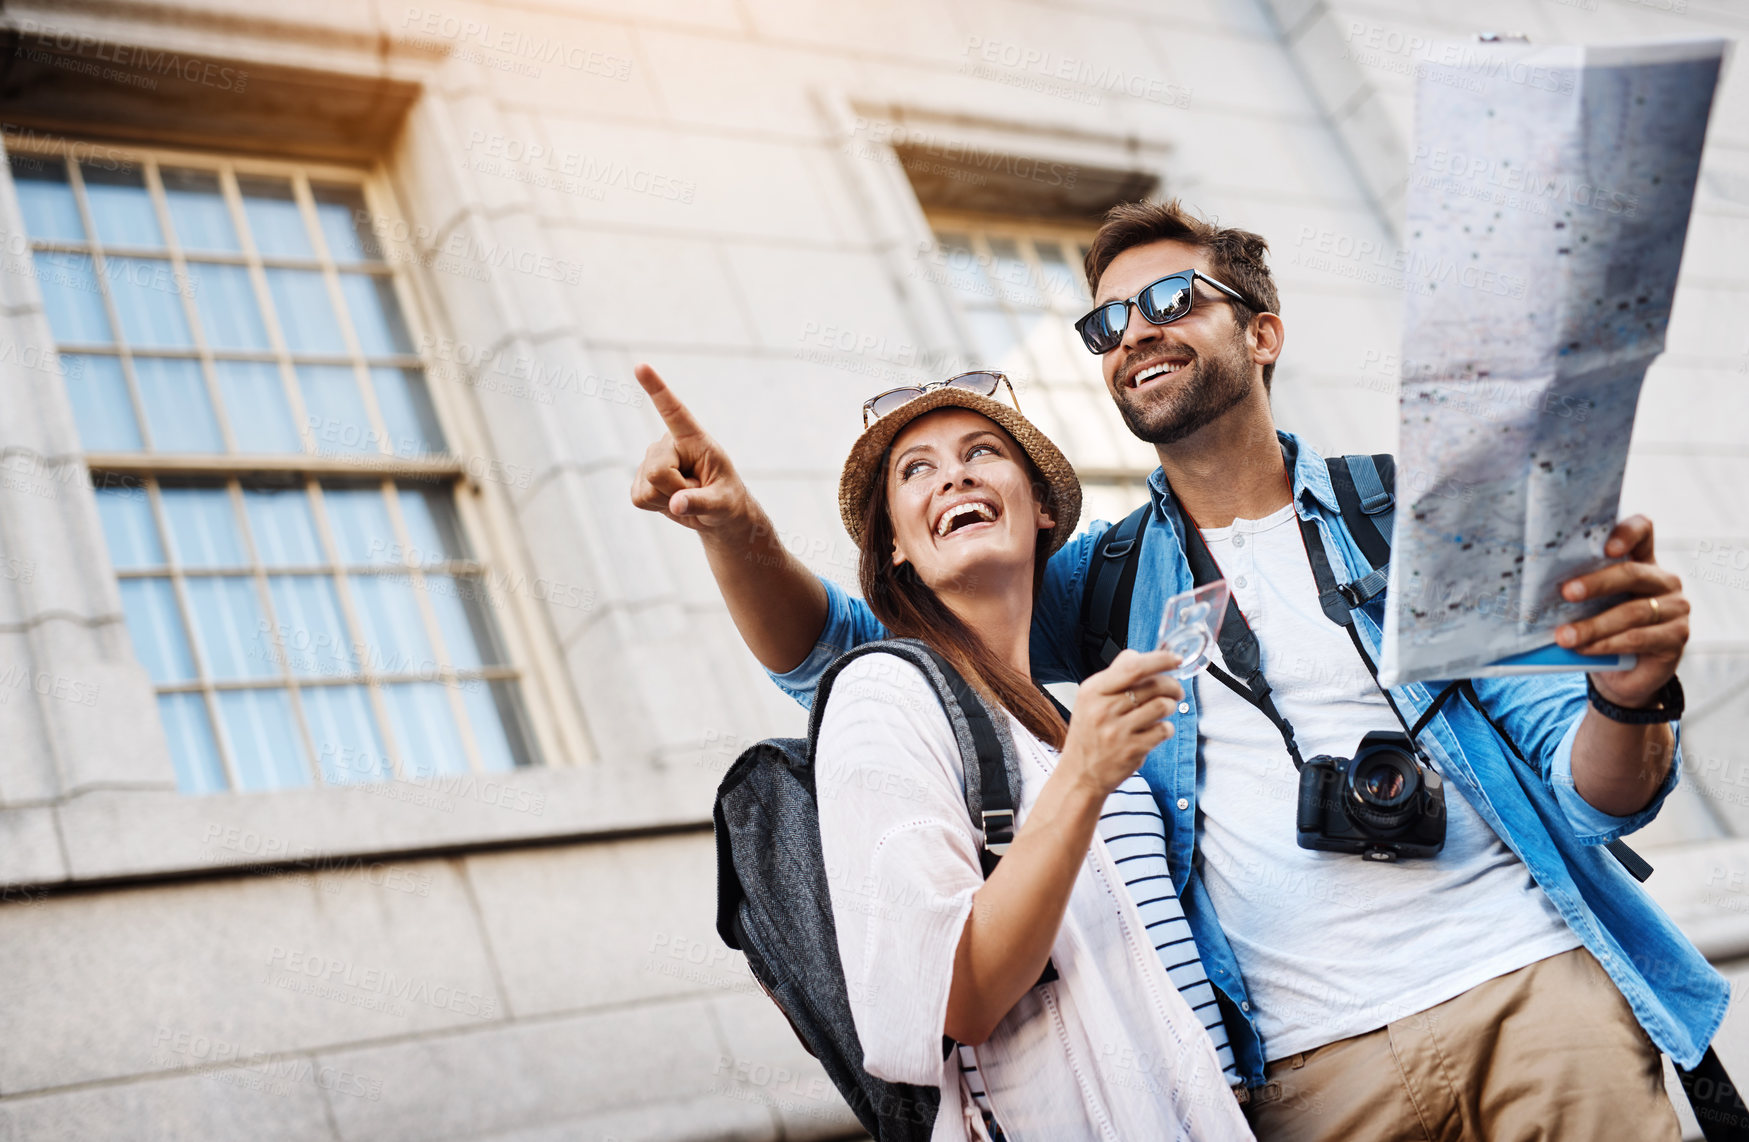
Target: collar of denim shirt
1308, 474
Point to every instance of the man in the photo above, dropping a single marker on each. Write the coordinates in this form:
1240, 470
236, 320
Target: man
1505, 987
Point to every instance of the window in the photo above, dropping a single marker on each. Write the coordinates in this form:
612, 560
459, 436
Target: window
275, 484
1020, 288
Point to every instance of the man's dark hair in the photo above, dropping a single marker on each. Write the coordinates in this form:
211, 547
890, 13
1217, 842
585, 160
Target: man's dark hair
1236, 257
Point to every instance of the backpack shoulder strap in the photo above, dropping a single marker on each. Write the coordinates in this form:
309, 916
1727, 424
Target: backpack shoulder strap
1105, 596
1365, 492
985, 749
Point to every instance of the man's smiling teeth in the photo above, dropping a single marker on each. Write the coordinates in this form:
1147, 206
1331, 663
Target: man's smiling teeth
1163, 369
976, 509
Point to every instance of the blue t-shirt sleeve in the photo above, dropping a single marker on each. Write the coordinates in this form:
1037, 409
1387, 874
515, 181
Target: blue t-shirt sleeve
849, 623
1056, 619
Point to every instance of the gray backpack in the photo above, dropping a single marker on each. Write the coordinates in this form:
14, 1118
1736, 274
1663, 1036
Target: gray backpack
772, 898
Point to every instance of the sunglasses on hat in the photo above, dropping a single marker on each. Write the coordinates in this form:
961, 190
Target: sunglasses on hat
984, 382
1161, 303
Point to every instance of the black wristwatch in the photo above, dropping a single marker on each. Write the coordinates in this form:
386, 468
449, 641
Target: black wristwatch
1667, 705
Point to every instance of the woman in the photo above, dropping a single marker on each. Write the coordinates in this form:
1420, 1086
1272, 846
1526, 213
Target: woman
956, 501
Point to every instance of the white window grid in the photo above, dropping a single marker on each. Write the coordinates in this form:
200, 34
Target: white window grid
311, 469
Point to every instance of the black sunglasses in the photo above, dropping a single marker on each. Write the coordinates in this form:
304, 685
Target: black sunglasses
984, 382
1162, 303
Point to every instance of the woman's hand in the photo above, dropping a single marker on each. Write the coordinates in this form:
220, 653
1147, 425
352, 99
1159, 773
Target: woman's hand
1016, 914
1120, 714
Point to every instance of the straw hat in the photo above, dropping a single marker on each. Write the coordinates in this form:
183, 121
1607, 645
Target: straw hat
870, 452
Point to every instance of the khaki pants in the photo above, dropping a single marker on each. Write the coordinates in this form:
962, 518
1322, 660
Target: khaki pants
1550, 1052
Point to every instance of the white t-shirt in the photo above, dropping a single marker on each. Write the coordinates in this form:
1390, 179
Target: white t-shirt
1332, 945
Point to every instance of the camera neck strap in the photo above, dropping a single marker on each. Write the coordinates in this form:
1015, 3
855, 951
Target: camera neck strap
1243, 655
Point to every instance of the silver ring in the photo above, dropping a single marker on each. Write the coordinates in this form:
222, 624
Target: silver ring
1133, 703
1654, 603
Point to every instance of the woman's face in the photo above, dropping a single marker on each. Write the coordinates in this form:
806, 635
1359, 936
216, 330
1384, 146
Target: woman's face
965, 514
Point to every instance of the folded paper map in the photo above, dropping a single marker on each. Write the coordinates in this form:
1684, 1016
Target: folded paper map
1548, 201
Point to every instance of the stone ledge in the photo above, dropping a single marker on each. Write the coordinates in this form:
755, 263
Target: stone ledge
121, 836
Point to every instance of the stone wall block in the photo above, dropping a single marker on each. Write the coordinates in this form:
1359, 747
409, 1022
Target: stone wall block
640, 916
102, 987
530, 1075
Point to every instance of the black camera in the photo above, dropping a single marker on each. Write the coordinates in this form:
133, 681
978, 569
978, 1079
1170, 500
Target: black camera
1381, 803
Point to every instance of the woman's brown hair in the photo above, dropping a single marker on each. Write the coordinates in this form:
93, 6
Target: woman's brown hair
909, 608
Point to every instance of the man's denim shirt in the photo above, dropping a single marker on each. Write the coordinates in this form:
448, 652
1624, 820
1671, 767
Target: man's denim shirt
1677, 996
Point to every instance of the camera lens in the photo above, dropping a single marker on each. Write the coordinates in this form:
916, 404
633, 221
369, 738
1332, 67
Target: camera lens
1383, 784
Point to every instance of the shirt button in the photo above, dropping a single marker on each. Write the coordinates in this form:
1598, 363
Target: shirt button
1245, 1005
1239, 582
1183, 803
1238, 541
1184, 707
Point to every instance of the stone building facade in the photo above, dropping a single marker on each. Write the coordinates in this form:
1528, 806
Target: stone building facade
316, 428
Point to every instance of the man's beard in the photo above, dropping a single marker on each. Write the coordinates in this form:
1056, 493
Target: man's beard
1196, 396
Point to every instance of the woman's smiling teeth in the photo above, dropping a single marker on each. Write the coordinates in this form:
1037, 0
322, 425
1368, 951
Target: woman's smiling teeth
963, 513
1163, 369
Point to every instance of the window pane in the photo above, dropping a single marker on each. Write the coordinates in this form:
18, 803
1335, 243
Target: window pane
1049, 349
198, 211
1009, 269
424, 729
225, 299
464, 617
70, 295
121, 208
101, 407
360, 521
255, 401
394, 633
376, 315
46, 198
995, 340
300, 298
432, 525
155, 626
405, 403
284, 529
312, 632
192, 749
496, 718
228, 625
148, 302
203, 528
128, 529
346, 224
965, 274
264, 740
1062, 283
334, 409
274, 218
179, 411
348, 746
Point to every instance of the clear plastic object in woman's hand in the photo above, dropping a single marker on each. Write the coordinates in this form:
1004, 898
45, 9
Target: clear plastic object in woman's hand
1191, 625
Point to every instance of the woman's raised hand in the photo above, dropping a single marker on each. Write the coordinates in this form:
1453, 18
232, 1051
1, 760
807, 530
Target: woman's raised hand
1121, 713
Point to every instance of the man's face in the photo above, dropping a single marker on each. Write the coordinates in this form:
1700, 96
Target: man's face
1171, 380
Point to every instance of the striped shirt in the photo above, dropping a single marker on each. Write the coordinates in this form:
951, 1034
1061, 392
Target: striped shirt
1135, 834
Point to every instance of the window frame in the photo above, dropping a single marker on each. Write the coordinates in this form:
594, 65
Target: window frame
550, 726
